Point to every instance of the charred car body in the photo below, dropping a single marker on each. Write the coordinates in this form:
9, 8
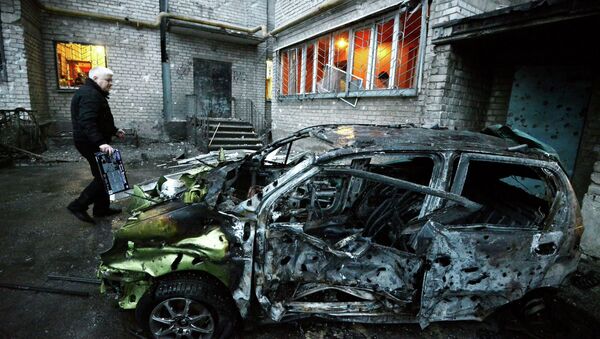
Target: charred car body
365, 223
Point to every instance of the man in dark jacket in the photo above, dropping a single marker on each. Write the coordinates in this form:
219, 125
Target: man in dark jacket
93, 128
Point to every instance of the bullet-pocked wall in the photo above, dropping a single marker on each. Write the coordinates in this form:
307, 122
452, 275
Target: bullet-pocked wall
453, 92
132, 53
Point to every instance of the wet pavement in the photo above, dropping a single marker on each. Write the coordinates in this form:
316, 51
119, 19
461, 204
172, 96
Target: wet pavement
39, 237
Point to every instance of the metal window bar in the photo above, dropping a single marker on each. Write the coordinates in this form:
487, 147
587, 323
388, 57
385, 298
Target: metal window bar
394, 57
361, 54
408, 47
384, 53
285, 73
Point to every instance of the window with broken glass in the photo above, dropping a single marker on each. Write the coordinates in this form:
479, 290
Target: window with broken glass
377, 57
74, 61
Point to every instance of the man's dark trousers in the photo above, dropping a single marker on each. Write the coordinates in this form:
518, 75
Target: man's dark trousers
95, 193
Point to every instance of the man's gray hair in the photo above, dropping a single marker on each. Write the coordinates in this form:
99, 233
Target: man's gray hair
99, 72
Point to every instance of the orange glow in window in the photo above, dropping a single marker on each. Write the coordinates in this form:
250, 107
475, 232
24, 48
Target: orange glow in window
341, 43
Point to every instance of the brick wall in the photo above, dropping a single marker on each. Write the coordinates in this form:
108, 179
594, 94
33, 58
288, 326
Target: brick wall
133, 54
455, 88
31, 20
287, 10
591, 214
248, 68
15, 91
499, 96
247, 13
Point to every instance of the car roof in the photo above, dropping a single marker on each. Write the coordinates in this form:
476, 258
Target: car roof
356, 138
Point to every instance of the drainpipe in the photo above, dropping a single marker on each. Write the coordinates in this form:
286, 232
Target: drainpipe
317, 10
151, 24
166, 67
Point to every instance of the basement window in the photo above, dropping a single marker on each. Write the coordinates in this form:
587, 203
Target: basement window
375, 57
74, 61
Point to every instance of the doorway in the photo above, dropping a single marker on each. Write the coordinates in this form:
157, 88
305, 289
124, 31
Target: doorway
212, 86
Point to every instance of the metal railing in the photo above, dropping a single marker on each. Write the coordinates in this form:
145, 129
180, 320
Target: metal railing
19, 128
245, 110
241, 109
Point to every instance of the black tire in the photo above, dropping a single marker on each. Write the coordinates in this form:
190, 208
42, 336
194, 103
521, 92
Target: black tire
201, 291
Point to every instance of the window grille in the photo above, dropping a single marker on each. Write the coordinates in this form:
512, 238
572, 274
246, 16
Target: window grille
378, 55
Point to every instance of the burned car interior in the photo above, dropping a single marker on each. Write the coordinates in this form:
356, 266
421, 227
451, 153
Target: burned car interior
356, 223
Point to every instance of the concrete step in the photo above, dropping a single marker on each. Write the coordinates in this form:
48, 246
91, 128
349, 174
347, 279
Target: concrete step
233, 134
224, 120
231, 127
233, 141
217, 147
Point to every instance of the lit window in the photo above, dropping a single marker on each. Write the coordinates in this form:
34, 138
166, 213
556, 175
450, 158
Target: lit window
269, 80
360, 59
298, 73
408, 49
340, 50
310, 60
379, 54
285, 73
74, 61
322, 58
383, 60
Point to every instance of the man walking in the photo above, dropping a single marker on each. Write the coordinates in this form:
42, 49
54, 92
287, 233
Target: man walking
93, 128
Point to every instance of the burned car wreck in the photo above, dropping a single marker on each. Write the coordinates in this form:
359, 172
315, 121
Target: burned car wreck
348, 222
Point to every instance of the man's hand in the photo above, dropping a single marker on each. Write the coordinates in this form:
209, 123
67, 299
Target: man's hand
121, 134
106, 148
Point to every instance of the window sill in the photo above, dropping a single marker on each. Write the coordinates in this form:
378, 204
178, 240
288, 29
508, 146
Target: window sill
66, 90
408, 92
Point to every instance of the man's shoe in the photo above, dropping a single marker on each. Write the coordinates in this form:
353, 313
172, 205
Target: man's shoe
108, 212
81, 215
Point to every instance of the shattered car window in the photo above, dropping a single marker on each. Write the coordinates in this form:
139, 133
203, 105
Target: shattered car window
295, 151
333, 207
516, 195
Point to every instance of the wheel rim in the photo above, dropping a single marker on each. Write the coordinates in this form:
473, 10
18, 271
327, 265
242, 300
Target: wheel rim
181, 318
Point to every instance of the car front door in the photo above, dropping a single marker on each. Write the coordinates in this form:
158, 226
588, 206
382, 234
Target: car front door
334, 244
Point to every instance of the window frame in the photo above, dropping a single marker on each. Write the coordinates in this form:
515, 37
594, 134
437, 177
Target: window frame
369, 89
57, 70
555, 174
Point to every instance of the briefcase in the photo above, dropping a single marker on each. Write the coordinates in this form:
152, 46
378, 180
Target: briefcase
112, 171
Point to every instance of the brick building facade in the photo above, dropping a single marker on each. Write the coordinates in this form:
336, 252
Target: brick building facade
30, 34
473, 63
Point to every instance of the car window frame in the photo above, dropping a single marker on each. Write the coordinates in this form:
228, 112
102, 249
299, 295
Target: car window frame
556, 174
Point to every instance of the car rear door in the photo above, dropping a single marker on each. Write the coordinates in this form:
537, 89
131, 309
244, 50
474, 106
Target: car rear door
485, 259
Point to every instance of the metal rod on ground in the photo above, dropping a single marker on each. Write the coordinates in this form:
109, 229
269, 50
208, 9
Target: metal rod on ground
44, 289
39, 156
74, 279
215, 133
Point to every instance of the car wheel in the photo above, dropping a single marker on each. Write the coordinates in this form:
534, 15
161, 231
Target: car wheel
187, 306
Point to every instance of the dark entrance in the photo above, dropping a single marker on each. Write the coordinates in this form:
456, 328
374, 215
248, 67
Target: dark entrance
212, 86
